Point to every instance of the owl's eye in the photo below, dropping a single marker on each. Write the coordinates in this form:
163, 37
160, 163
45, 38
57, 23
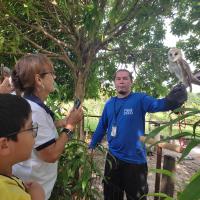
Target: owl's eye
176, 54
170, 54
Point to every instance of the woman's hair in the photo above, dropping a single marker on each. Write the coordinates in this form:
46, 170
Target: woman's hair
23, 75
14, 111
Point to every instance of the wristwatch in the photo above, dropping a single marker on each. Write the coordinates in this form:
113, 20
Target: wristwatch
68, 132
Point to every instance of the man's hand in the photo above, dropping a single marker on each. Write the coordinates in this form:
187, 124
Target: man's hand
177, 96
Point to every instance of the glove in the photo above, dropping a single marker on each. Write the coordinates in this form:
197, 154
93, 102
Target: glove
177, 96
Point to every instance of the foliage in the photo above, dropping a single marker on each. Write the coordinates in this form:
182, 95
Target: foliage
191, 190
92, 38
186, 23
77, 173
77, 170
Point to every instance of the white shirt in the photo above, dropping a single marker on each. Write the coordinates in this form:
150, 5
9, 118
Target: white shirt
36, 169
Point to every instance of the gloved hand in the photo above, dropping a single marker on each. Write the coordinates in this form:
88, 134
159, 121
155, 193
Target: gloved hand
177, 96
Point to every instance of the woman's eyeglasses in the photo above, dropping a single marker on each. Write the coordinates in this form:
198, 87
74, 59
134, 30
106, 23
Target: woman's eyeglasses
33, 129
50, 72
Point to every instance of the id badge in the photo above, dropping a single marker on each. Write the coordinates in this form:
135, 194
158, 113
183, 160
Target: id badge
114, 131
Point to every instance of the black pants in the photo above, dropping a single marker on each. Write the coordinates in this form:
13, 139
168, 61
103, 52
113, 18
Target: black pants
123, 177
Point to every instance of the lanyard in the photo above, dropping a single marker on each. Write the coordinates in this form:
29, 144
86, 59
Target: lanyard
116, 112
37, 100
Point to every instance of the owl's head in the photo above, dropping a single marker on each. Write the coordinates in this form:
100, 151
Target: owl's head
174, 54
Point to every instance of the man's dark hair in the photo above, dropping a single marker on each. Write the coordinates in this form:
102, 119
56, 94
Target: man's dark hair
123, 70
14, 111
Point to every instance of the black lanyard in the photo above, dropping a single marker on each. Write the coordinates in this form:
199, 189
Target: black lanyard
37, 100
116, 112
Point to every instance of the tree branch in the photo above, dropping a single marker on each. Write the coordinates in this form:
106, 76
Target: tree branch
49, 36
37, 46
121, 26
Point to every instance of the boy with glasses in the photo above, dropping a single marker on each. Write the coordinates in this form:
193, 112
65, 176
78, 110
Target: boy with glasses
16, 142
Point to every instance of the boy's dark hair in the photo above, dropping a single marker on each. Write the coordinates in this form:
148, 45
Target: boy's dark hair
14, 111
123, 70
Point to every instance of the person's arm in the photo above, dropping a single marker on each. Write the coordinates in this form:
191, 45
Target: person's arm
176, 97
100, 130
5, 86
35, 190
60, 123
52, 152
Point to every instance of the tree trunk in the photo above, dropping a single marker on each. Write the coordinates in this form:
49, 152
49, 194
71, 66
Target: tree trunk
80, 82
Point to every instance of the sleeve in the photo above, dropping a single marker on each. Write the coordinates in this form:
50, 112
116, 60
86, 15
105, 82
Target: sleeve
100, 130
46, 129
152, 105
12, 191
5, 193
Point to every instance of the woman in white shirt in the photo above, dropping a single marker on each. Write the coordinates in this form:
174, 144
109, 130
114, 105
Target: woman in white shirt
34, 76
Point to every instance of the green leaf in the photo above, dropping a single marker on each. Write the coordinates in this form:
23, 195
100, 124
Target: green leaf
159, 195
157, 130
162, 171
193, 143
195, 126
191, 191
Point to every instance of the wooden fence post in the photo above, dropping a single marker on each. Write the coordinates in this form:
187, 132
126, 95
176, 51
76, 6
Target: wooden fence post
158, 166
167, 182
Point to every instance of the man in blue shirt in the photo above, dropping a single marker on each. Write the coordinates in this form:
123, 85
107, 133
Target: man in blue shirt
123, 120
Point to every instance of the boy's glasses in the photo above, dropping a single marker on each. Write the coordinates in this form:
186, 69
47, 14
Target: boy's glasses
34, 130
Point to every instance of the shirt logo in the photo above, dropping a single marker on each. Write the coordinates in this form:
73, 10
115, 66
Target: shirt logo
128, 111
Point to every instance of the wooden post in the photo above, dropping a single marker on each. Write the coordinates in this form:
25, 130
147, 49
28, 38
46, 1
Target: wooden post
158, 166
167, 182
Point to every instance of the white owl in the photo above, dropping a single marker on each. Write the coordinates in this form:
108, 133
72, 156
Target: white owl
181, 68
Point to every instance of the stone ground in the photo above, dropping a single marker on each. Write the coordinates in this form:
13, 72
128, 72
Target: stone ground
184, 169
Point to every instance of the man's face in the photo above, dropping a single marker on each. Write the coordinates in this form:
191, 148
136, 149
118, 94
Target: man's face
123, 83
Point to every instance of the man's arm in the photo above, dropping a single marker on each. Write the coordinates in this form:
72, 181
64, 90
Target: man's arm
176, 97
100, 130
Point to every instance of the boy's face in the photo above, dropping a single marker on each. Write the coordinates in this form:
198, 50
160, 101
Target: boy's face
25, 141
16, 151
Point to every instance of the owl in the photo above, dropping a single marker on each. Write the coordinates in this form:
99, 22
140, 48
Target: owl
181, 68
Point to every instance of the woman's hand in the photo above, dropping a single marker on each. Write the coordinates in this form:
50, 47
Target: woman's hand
74, 117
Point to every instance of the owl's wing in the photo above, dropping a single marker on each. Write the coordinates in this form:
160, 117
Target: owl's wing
185, 66
171, 68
